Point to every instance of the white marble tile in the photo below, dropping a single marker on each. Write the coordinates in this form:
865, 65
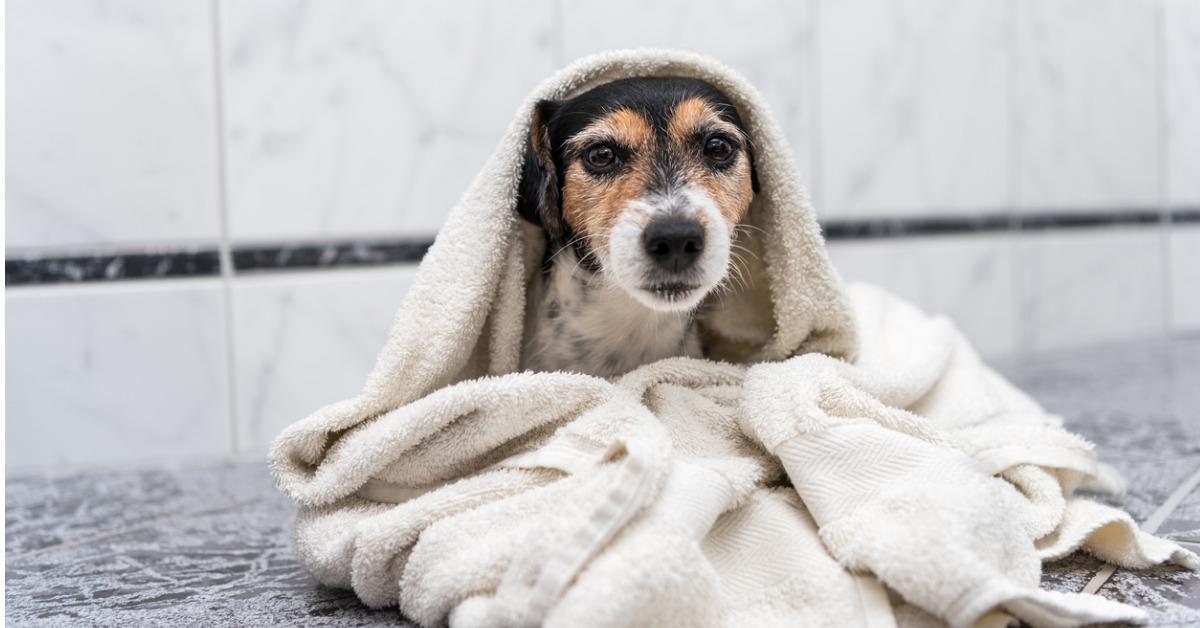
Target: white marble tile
1184, 263
1090, 286
116, 374
1087, 104
306, 340
368, 117
770, 41
967, 278
913, 107
110, 121
1181, 46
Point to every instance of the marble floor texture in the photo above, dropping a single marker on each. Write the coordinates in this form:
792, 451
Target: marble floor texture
211, 546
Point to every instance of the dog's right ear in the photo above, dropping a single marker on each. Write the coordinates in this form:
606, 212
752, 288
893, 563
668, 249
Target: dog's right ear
539, 201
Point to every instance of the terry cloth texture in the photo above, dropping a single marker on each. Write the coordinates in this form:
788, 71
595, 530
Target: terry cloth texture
842, 459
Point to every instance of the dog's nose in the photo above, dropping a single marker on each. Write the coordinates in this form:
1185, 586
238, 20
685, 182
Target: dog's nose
673, 243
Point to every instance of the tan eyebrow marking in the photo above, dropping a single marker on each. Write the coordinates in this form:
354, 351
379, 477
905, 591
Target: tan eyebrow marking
695, 114
625, 127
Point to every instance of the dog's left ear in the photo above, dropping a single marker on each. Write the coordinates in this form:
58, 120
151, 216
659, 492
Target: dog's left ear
539, 201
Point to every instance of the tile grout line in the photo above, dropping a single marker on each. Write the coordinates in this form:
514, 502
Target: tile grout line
1150, 526
1164, 171
1012, 162
816, 187
1155, 520
224, 246
138, 526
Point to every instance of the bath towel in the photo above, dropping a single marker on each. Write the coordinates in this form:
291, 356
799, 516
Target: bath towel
839, 458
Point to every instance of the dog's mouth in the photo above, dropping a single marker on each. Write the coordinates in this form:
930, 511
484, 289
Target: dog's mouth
670, 296
671, 291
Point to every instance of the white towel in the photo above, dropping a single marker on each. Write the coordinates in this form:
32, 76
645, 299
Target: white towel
842, 459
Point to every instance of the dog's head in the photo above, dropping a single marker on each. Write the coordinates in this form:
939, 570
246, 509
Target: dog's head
646, 178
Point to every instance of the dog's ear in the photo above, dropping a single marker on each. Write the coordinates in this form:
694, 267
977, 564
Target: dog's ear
753, 170
539, 201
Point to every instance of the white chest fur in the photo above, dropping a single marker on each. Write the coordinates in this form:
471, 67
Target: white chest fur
580, 322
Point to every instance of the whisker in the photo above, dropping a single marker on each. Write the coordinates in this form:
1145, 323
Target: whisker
739, 250
579, 262
564, 247
746, 225
738, 270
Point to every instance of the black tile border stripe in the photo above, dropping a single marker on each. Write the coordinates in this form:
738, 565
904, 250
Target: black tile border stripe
870, 228
328, 255
268, 258
31, 270
1185, 216
1040, 221
873, 228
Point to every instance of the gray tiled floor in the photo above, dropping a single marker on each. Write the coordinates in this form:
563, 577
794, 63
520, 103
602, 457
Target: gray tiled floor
205, 546
210, 546
1140, 404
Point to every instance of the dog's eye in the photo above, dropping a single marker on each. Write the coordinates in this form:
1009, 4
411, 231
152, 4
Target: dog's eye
601, 157
718, 149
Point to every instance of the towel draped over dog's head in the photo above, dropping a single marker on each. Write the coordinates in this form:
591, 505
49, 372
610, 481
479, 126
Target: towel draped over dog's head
464, 316
471, 286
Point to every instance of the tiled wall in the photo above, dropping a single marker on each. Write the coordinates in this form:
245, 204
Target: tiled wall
197, 133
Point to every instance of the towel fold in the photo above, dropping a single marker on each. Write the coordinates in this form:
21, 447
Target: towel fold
839, 459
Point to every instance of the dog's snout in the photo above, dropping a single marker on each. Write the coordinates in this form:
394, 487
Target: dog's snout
674, 244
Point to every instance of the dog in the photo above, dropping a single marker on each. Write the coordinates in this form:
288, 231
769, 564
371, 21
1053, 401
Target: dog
639, 185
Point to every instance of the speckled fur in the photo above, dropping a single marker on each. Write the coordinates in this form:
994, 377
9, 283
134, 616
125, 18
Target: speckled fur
582, 322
